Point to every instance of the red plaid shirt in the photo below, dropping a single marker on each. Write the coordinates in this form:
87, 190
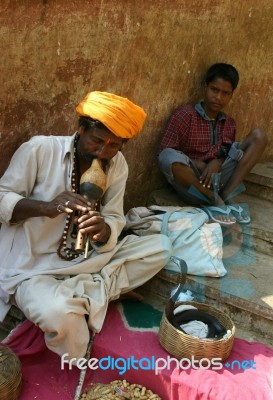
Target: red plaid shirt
190, 131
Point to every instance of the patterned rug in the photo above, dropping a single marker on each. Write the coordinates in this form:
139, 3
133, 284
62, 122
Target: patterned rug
128, 348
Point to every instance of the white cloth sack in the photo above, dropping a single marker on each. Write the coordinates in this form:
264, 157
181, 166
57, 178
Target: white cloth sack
194, 240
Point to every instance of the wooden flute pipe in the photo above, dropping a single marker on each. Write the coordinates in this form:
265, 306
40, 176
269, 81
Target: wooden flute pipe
92, 186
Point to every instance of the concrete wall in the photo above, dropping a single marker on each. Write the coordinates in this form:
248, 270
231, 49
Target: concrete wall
152, 51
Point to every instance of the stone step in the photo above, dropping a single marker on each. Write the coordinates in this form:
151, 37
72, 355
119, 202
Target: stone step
245, 293
259, 181
258, 235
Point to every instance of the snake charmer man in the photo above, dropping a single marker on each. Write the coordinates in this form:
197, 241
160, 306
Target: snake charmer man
60, 290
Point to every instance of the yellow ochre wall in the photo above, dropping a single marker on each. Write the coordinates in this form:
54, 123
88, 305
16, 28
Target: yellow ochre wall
152, 51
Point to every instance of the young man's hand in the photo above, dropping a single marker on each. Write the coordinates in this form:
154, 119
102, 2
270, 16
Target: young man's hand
213, 166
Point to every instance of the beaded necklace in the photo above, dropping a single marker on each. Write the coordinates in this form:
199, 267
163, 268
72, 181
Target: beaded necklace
64, 252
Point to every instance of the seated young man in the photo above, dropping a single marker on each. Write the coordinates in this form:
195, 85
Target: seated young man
43, 208
199, 144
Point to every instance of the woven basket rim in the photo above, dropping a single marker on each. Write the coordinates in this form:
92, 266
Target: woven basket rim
10, 374
181, 345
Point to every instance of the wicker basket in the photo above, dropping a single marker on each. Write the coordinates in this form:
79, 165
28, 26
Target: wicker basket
10, 374
181, 345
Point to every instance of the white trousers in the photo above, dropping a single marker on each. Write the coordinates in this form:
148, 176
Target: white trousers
65, 309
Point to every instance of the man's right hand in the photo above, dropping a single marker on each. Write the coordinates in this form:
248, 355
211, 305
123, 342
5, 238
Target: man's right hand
65, 202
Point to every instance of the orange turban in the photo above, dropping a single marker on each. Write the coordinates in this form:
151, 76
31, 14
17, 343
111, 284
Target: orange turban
122, 117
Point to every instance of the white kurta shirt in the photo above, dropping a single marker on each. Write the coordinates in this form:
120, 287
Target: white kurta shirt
40, 170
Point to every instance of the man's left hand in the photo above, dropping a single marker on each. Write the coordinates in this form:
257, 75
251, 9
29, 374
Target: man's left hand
93, 224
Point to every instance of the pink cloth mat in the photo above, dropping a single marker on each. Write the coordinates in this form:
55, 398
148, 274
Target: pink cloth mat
43, 378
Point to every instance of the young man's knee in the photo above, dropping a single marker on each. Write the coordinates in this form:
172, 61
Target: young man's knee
169, 156
259, 136
178, 167
165, 160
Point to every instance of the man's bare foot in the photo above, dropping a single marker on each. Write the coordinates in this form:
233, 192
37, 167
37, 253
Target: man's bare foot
131, 296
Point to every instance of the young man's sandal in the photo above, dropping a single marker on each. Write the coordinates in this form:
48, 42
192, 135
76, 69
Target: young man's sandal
220, 214
239, 213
